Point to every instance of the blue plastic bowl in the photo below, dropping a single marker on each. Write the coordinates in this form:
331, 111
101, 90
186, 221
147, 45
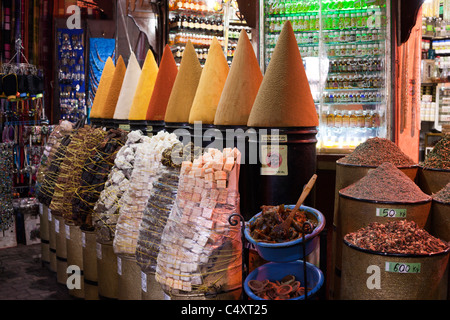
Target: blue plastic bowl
290, 250
274, 271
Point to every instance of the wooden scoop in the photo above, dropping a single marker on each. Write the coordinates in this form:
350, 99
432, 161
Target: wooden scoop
283, 227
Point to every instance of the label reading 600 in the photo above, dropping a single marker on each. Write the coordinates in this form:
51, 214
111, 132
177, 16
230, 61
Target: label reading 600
403, 267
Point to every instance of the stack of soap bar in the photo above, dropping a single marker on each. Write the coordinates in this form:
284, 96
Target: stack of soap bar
199, 247
147, 168
110, 200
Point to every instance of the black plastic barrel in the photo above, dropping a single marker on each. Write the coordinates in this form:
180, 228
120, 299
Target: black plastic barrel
153, 127
203, 135
122, 124
96, 122
283, 172
110, 124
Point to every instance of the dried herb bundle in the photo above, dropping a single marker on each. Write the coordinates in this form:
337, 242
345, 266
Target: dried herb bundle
439, 157
397, 237
386, 183
375, 151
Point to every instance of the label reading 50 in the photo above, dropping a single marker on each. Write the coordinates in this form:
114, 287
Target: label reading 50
391, 213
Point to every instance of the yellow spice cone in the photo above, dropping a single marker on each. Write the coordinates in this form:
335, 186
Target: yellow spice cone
114, 90
210, 87
184, 87
144, 89
103, 89
241, 86
284, 98
129, 85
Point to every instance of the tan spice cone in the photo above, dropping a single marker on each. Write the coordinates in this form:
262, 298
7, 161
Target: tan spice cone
128, 89
114, 90
284, 98
211, 85
144, 89
241, 86
163, 86
184, 87
103, 88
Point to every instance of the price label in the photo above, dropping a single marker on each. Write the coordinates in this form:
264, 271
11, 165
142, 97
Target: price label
56, 225
144, 281
83, 240
99, 251
67, 232
402, 267
125, 127
119, 266
391, 213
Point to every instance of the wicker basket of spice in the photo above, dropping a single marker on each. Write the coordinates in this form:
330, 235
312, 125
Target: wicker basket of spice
394, 261
383, 195
434, 171
440, 214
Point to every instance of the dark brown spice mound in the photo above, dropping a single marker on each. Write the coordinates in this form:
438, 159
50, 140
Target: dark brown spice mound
443, 195
376, 151
439, 157
386, 183
398, 237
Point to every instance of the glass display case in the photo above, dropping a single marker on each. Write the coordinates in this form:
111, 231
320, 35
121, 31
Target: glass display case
199, 21
345, 49
442, 110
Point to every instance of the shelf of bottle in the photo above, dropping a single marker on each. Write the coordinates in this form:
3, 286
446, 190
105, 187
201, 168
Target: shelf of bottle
326, 12
181, 11
353, 89
357, 29
218, 33
372, 103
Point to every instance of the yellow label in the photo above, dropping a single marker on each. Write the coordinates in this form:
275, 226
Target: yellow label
274, 160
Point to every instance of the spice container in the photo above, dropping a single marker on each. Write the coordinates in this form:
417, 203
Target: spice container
277, 271
434, 172
396, 261
384, 194
291, 250
440, 214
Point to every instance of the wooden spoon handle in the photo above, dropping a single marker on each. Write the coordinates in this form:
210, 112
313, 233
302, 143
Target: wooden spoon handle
305, 193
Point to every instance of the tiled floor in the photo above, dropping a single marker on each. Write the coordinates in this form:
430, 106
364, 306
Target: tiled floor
24, 277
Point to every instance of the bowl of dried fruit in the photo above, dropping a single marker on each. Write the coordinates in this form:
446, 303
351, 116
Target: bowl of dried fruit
298, 241
283, 281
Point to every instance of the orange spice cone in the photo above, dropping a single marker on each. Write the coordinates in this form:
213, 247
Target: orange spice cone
211, 84
284, 98
241, 86
184, 87
129, 85
163, 86
103, 89
144, 88
114, 90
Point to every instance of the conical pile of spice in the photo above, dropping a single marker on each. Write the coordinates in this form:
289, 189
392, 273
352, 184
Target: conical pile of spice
144, 89
163, 86
129, 85
184, 88
107, 112
103, 89
375, 151
386, 183
443, 195
439, 157
284, 98
397, 237
241, 87
210, 86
